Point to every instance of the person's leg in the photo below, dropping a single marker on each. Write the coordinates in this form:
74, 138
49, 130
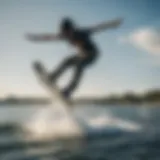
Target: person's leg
77, 75
79, 66
63, 66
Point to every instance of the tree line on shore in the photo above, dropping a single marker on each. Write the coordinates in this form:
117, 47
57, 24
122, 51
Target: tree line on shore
151, 96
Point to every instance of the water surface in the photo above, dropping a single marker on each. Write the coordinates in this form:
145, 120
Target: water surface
109, 133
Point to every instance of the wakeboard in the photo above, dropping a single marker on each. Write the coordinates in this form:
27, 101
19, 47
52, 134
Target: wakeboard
43, 76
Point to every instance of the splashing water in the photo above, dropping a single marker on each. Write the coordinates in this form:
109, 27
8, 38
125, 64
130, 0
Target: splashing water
56, 121
53, 122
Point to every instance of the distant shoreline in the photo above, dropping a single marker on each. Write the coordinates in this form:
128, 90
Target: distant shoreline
82, 103
151, 97
37, 104
8, 104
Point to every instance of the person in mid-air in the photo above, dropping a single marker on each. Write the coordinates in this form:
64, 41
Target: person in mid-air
87, 50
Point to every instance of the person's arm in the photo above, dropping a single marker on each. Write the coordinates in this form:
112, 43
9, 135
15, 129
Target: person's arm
43, 37
106, 25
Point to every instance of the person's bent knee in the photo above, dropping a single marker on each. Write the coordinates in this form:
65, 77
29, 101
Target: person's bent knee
68, 61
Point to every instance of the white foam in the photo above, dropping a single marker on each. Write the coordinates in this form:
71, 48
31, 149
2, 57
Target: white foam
50, 122
58, 122
112, 121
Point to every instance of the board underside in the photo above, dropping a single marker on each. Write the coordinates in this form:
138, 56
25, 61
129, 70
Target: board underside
42, 74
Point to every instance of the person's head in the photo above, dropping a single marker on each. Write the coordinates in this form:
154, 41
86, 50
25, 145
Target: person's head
67, 26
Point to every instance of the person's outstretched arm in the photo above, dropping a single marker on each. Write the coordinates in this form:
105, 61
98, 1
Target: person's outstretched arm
106, 25
43, 37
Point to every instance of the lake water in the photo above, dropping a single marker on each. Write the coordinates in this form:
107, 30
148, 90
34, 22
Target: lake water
90, 132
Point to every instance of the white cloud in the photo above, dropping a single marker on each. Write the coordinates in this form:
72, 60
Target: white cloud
147, 39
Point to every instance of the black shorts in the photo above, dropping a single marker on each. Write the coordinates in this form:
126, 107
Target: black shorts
89, 58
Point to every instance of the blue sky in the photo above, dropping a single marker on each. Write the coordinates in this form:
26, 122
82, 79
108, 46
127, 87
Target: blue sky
128, 60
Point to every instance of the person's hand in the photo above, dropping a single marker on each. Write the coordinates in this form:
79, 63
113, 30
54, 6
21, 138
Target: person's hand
82, 55
118, 22
31, 37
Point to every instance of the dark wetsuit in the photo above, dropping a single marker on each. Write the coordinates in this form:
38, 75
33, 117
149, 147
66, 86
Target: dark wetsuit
86, 56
